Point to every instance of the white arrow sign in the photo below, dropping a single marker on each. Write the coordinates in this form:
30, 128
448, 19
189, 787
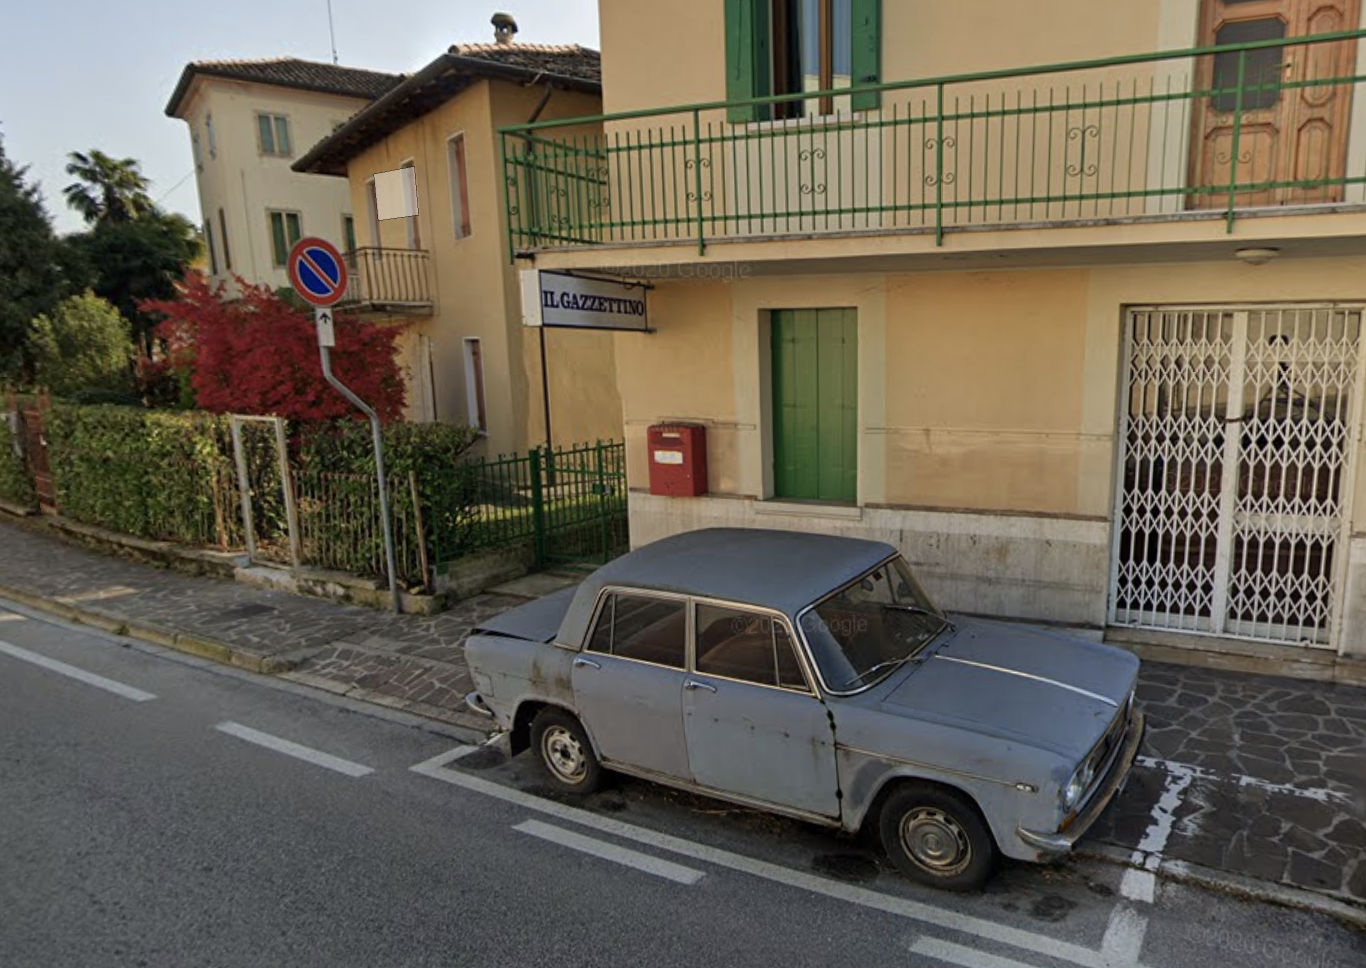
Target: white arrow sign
327, 336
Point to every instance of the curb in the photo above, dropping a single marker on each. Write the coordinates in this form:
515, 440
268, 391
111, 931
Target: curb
196, 645
1237, 885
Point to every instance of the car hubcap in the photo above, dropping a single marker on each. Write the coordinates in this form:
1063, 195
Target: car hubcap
935, 841
564, 755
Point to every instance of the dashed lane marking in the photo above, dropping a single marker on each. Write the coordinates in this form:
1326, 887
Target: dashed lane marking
296, 750
621, 855
929, 914
80, 675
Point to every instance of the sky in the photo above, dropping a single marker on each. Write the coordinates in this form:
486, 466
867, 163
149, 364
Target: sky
85, 74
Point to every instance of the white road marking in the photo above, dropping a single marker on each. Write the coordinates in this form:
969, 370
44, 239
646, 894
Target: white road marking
306, 753
956, 954
621, 855
1154, 840
1138, 885
943, 918
1256, 783
1124, 935
89, 678
450, 756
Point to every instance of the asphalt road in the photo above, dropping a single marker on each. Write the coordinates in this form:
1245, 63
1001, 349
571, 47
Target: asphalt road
156, 810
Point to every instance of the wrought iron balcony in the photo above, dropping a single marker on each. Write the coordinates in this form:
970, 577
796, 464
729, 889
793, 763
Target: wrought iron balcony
1212, 132
390, 281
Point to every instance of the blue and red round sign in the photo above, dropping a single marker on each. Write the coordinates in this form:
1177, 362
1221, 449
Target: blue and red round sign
317, 271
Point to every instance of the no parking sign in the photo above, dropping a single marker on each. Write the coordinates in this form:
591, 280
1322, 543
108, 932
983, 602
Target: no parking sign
319, 275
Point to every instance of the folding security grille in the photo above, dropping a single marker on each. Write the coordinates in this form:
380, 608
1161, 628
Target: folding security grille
1235, 435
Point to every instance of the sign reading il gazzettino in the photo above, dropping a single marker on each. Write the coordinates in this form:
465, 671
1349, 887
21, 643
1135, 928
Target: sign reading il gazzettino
557, 299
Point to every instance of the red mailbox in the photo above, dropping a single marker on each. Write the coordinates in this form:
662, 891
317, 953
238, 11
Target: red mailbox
678, 460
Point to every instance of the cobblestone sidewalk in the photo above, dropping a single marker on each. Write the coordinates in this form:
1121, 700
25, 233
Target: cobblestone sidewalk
1247, 775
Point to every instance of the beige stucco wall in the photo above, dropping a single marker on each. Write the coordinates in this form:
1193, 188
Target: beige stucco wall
475, 287
246, 184
988, 414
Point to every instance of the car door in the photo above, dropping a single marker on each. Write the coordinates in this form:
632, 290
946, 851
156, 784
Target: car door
628, 681
753, 724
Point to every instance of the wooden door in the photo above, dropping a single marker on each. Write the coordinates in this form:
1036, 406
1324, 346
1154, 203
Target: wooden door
1293, 131
815, 404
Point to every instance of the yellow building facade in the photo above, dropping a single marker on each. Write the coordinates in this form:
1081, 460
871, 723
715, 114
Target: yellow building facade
444, 274
1064, 300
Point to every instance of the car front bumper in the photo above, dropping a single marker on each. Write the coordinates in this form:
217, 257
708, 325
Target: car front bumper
1057, 843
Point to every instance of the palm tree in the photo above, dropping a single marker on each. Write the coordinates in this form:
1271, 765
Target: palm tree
108, 190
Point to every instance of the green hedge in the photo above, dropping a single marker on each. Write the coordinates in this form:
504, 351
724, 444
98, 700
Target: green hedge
152, 474
16, 486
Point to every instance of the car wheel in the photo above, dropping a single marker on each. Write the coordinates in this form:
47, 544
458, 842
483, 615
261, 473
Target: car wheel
937, 837
565, 752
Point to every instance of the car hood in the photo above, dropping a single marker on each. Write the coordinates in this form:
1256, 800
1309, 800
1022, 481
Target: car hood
537, 621
1016, 682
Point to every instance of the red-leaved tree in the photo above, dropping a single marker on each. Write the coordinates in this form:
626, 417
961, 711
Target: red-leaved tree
259, 355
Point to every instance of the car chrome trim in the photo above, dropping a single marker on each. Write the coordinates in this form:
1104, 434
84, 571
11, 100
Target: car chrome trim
930, 767
1029, 675
475, 703
1061, 842
678, 783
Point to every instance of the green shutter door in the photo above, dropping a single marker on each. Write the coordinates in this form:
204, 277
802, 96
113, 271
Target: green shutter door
815, 404
867, 59
747, 57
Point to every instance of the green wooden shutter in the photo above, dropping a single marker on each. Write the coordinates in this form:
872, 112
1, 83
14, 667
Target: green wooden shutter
747, 57
867, 59
815, 404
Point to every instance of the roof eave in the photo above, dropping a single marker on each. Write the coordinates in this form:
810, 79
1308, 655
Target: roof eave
316, 160
192, 70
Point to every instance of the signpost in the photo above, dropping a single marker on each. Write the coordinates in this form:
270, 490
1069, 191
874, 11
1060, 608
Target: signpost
319, 275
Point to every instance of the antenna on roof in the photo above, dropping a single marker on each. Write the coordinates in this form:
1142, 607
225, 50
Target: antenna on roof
332, 32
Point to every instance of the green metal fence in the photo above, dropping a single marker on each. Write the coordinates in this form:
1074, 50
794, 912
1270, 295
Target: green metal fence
568, 505
1219, 129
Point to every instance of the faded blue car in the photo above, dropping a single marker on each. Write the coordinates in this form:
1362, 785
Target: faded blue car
811, 676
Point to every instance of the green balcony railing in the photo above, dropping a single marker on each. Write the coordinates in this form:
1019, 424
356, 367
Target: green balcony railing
1216, 130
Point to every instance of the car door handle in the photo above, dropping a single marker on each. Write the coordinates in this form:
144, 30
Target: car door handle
586, 664
694, 684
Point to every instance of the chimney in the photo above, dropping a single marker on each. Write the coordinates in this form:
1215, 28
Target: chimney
503, 27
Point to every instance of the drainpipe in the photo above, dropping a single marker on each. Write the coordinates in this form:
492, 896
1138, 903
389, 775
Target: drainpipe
545, 364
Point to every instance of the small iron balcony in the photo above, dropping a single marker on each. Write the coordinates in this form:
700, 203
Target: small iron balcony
389, 281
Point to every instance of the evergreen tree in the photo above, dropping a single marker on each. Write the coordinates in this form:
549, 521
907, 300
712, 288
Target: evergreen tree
32, 280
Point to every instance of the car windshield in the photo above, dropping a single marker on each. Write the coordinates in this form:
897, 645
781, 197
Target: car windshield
871, 626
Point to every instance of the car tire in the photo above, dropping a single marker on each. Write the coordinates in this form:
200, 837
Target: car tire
937, 837
564, 751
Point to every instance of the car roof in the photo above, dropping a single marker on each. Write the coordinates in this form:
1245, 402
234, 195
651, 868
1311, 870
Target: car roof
783, 570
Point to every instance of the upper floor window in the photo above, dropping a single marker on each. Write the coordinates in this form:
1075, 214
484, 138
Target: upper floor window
273, 134
795, 46
213, 138
348, 234
198, 151
286, 228
460, 189
213, 252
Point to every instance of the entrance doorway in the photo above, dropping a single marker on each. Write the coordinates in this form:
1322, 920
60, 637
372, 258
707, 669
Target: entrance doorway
1234, 444
1290, 135
815, 404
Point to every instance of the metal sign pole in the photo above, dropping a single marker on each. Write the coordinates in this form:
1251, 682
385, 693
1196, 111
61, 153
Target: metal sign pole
378, 434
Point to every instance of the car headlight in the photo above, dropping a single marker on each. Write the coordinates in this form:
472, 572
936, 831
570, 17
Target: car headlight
1078, 785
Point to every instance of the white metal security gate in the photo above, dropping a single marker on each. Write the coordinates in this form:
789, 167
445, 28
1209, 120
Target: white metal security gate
1236, 437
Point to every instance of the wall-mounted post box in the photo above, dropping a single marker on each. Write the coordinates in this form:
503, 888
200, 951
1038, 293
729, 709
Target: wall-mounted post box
678, 460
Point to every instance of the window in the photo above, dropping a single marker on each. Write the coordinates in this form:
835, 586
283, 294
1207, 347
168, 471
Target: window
213, 138
372, 211
793, 46
273, 134
348, 233
748, 646
213, 255
223, 237
285, 230
474, 384
642, 628
198, 151
460, 190
1263, 67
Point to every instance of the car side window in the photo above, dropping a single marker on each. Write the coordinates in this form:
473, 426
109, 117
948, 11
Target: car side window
749, 646
643, 628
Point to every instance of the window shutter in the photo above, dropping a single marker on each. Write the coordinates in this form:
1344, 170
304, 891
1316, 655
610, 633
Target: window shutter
747, 57
867, 59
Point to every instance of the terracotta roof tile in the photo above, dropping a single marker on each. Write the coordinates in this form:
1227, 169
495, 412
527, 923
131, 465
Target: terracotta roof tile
566, 60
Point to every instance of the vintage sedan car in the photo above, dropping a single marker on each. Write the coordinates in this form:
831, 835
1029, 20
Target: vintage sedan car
811, 676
